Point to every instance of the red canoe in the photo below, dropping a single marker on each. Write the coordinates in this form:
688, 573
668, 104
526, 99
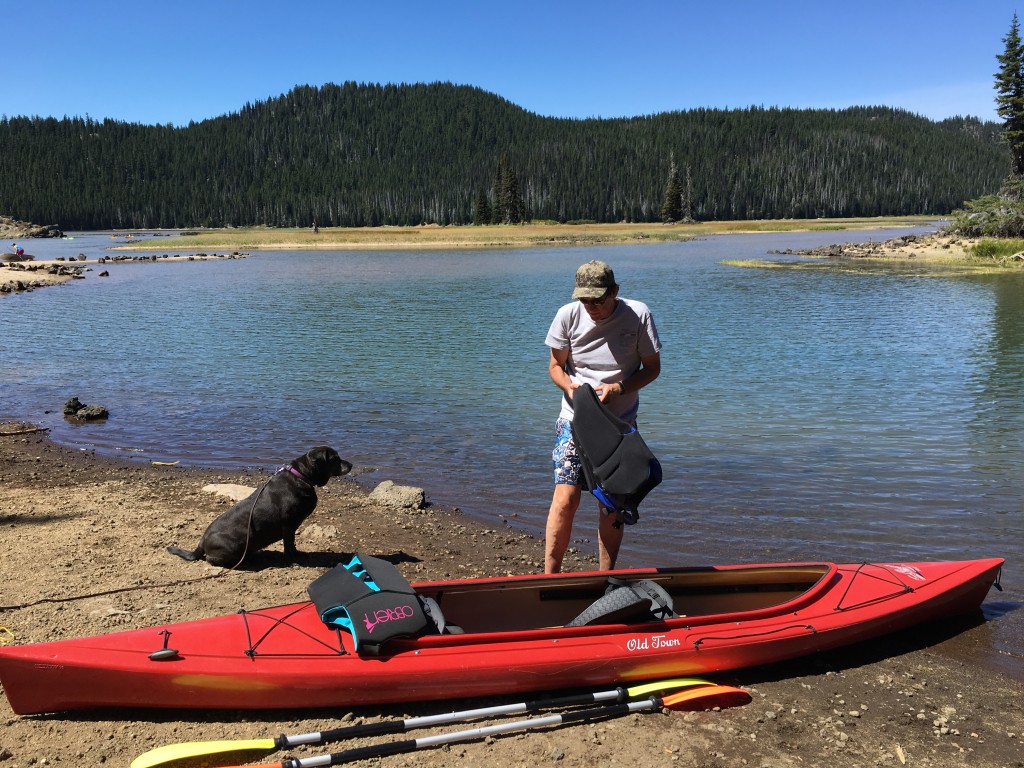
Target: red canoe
514, 639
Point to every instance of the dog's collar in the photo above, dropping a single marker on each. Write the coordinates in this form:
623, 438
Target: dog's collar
294, 471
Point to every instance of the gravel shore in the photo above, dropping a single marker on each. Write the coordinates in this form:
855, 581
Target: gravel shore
83, 553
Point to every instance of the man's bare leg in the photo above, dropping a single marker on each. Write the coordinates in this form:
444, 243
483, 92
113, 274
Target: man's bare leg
564, 502
609, 538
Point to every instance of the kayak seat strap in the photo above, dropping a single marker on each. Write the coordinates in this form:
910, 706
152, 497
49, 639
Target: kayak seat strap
628, 601
371, 600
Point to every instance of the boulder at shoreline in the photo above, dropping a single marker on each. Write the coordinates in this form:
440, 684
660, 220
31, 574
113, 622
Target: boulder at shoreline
13, 228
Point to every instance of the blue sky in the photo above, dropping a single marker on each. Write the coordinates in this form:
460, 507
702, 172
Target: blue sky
188, 60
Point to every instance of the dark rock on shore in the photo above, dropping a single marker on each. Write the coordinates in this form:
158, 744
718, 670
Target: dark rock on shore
20, 286
74, 408
904, 246
11, 227
14, 258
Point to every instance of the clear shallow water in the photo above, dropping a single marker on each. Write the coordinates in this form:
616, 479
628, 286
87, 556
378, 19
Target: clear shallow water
798, 416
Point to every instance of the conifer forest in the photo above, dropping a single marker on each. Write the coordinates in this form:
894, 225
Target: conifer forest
370, 155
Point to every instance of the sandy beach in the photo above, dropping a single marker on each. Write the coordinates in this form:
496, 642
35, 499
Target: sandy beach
84, 541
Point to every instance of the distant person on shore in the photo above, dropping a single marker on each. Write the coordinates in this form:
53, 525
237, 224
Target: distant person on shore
613, 345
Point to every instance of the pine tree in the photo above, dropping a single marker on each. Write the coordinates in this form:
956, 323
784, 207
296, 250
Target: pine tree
482, 211
672, 204
1010, 98
498, 191
687, 206
508, 200
514, 212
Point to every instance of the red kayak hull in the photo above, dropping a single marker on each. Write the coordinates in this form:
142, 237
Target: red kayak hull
286, 657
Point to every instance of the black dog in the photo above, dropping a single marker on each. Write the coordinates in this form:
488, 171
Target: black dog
273, 512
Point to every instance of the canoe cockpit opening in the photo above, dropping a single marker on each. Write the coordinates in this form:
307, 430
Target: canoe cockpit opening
590, 599
371, 601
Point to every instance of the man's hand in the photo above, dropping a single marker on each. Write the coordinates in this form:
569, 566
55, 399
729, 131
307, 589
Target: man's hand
606, 392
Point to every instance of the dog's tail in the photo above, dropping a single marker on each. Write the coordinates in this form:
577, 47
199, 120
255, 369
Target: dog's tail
185, 554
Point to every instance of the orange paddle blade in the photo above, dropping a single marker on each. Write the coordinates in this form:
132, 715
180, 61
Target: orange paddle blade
708, 697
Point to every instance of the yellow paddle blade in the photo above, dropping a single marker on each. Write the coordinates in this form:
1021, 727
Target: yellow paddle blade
190, 751
665, 685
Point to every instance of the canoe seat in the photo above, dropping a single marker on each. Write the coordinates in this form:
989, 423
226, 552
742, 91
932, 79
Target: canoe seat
628, 601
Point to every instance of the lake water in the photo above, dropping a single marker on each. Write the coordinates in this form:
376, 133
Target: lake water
799, 415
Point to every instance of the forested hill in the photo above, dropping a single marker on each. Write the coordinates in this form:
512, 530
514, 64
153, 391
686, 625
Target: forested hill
357, 154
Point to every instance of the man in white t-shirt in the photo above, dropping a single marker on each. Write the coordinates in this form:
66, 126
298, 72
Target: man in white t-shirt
613, 345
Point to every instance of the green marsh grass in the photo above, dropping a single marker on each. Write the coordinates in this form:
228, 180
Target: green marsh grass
997, 248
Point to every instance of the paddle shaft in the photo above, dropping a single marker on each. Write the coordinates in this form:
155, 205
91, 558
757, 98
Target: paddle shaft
619, 694
411, 745
174, 754
379, 729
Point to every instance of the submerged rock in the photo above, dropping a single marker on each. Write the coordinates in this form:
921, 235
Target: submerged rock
74, 408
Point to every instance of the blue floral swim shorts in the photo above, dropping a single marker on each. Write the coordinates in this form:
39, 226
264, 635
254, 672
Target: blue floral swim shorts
568, 467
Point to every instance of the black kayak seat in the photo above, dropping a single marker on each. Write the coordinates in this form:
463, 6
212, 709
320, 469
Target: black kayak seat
626, 602
618, 467
370, 599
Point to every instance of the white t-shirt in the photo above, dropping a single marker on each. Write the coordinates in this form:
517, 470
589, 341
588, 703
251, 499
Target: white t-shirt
607, 351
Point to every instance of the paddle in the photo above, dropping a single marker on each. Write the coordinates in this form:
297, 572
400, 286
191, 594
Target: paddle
174, 753
698, 698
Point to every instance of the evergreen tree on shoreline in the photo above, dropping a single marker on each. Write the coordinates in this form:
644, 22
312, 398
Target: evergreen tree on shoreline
508, 205
482, 210
672, 203
687, 206
1010, 98
1002, 215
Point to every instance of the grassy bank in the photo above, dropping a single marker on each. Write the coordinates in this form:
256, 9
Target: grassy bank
519, 236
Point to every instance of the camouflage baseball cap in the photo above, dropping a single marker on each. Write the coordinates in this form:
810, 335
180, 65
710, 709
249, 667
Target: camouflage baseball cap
593, 280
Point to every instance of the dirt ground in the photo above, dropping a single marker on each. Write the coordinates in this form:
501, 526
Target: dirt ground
82, 549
